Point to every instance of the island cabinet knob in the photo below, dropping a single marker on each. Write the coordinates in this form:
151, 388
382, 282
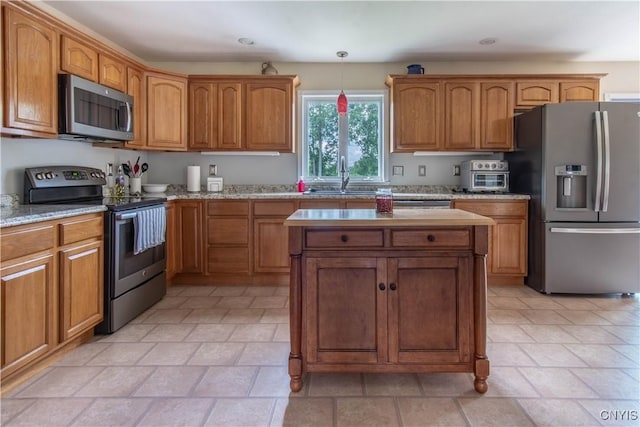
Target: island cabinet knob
393, 287
431, 238
344, 238
381, 286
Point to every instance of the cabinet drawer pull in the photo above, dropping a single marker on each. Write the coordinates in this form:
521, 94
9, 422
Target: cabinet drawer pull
381, 286
344, 238
393, 287
431, 238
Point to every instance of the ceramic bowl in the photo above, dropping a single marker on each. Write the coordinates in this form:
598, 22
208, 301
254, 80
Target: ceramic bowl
154, 188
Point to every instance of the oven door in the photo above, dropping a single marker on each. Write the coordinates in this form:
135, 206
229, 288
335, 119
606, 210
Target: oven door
128, 270
489, 181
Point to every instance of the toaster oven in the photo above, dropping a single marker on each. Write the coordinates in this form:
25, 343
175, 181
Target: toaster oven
485, 176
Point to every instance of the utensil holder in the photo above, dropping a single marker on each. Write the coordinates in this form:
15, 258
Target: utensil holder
135, 186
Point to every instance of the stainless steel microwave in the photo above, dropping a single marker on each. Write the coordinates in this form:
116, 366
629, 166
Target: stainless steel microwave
93, 112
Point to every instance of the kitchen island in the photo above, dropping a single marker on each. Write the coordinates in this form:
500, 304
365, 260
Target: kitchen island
400, 292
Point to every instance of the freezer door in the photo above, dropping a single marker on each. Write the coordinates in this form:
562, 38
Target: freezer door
592, 258
568, 138
623, 144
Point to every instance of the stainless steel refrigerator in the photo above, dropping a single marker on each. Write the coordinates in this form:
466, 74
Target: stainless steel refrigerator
580, 161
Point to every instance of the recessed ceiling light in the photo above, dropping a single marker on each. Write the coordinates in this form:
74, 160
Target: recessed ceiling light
246, 41
488, 41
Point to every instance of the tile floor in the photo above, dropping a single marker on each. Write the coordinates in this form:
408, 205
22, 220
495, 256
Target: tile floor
216, 356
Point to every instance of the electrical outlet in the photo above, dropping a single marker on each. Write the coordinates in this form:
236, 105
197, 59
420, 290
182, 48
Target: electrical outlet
456, 170
422, 170
398, 170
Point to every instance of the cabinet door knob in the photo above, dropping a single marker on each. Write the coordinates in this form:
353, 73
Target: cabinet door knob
431, 238
393, 287
344, 238
381, 286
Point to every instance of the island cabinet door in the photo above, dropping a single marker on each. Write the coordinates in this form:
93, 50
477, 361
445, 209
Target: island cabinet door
430, 310
346, 310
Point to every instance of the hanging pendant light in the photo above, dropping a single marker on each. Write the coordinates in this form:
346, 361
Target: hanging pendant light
343, 104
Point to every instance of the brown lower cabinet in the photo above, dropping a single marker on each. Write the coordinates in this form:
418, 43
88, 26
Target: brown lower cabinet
51, 290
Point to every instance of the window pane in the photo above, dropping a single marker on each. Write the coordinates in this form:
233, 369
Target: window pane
322, 139
364, 139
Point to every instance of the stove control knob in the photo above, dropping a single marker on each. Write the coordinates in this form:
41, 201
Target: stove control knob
493, 166
48, 175
39, 175
479, 165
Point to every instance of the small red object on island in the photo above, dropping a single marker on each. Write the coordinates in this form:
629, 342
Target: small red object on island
384, 201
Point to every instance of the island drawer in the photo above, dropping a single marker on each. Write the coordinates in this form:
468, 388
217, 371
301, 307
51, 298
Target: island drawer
344, 238
437, 237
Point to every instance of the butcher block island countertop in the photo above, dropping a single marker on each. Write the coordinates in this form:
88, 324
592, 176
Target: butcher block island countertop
400, 292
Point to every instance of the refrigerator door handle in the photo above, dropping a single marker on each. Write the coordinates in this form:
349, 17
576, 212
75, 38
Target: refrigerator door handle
598, 197
607, 161
595, 230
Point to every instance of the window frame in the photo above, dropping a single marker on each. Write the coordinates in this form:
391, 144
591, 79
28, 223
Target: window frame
305, 95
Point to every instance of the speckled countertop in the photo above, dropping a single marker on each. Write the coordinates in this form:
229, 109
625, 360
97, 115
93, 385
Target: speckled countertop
12, 213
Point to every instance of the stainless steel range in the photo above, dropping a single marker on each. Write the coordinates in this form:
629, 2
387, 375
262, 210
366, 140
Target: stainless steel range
135, 279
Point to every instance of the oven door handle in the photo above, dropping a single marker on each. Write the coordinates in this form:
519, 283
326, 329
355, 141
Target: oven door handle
122, 217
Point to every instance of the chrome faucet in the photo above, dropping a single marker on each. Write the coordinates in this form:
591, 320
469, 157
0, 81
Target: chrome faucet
344, 175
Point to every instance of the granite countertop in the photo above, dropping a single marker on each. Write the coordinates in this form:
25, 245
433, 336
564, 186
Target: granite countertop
27, 214
399, 217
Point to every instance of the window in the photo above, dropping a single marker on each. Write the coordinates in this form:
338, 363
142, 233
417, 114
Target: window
358, 136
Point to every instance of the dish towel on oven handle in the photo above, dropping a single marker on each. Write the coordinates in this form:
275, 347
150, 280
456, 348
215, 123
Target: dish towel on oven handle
149, 227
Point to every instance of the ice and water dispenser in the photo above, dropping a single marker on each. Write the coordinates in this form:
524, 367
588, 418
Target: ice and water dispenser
571, 186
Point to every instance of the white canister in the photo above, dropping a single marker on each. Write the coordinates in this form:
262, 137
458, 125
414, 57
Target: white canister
193, 178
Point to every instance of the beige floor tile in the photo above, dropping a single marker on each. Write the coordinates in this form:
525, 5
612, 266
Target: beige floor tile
631, 351
60, 382
312, 412
216, 353
269, 302
557, 412
273, 381
113, 412
174, 290
50, 412
545, 317
507, 303
575, 303
210, 332
505, 354
584, 317
201, 302
282, 333
448, 384
275, 315
229, 291
171, 381
508, 382
177, 412
601, 356
507, 316
557, 383
549, 334
196, 291
128, 333
592, 334
245, 412
170, 302
609, 383
265, 354
115, 382
255, 333
235, 302
121, 354
494, 412
282, 290
509, 291
174, 315
225, 381
169, 354
629, 334
168, 333
260, 291
633, 373
544, 303
10, 408
205, 315
508, 333
552, 355
82, 354
620, 317
425, 411
616, 302
366, 411
330, 385
618, 413
248, 315
391, 385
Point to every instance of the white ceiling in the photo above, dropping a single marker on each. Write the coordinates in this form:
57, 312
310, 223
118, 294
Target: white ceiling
371, 31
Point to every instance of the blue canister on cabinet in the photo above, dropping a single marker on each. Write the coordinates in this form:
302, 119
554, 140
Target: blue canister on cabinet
415, 69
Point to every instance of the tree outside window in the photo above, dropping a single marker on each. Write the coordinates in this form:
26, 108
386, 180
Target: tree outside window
358, 136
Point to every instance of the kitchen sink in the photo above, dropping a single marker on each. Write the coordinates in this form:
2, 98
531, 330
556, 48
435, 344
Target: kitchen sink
340, 193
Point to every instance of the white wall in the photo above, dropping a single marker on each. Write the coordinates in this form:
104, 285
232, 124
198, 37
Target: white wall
16, 154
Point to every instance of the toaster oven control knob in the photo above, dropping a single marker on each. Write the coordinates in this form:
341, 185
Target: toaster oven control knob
48, 175
39, 175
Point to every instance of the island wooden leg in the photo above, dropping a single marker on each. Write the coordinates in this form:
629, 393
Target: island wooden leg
295, 309
481, 368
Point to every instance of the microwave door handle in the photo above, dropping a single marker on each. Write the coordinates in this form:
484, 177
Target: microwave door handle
129, 117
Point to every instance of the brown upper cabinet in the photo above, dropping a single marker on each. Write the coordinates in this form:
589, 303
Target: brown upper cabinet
30, 100
78, 58
241, 114
166, 112
473, 112
137, 87
113, 73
